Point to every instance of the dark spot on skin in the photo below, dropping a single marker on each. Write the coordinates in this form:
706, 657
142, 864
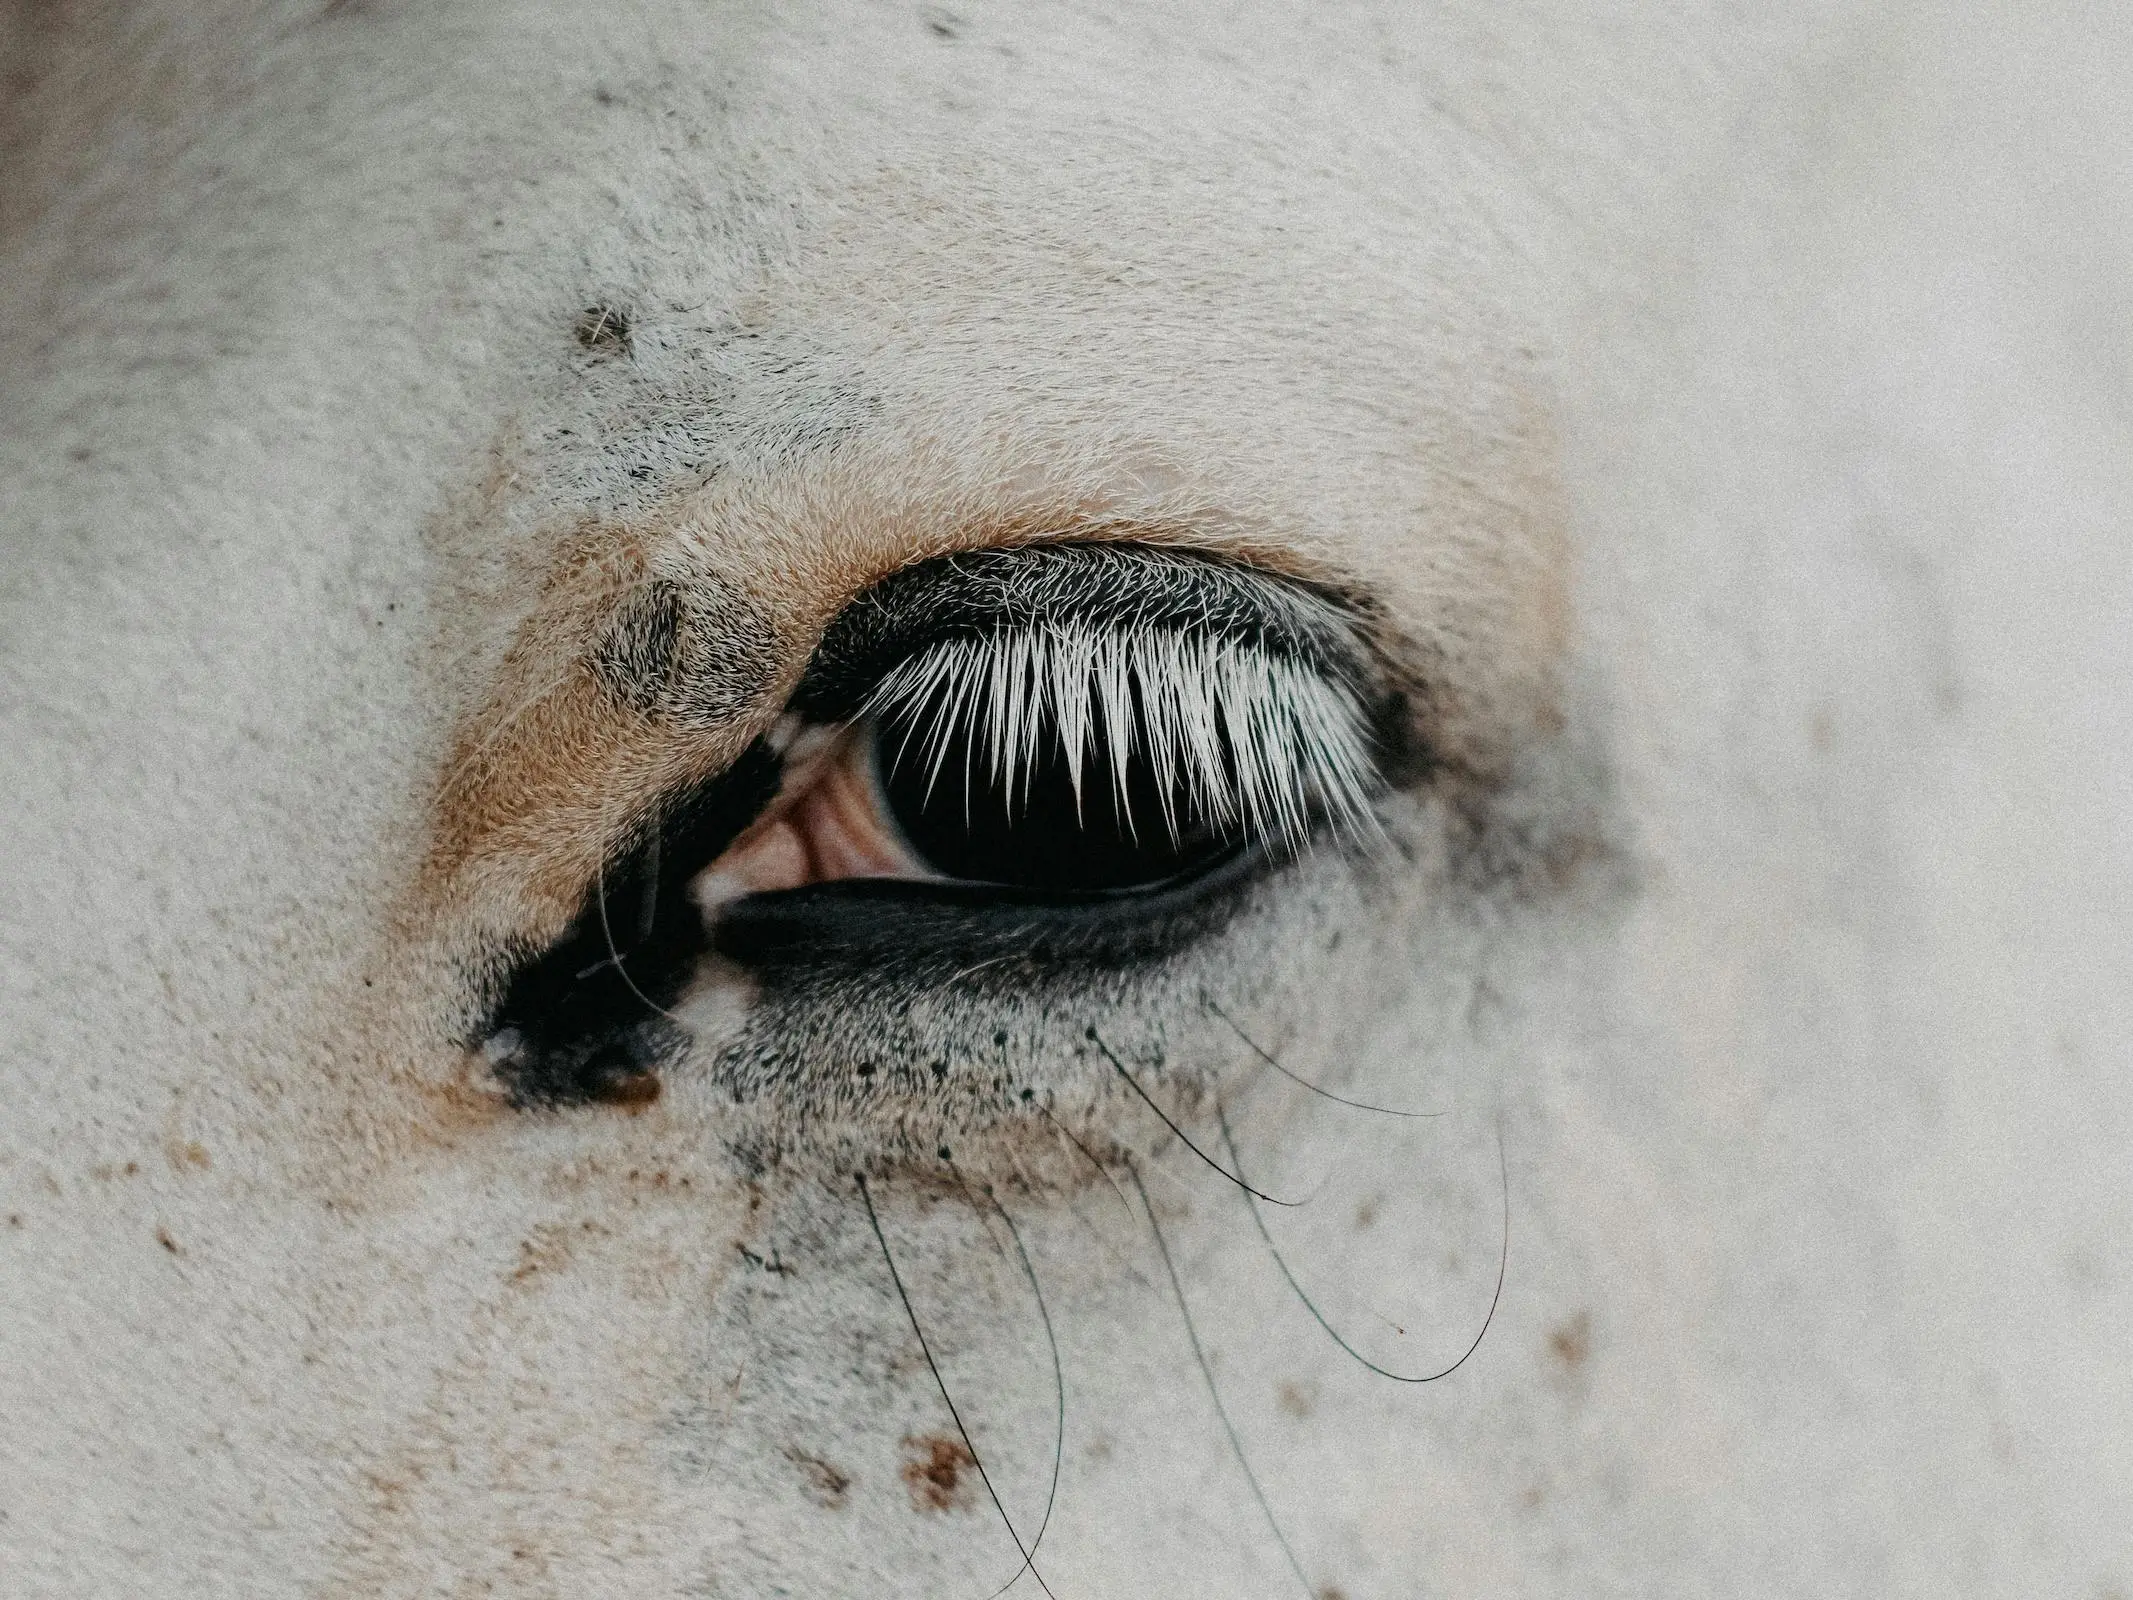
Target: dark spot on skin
772, 1263
933, 1471
619, 1086
942, 24
164, 1239
1571, 1341
826, 1482
604, 330
694, 654
1332, 1592
1297, 1399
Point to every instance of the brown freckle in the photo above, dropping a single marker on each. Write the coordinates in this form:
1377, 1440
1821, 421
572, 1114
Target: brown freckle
1571, 1341
463, 1106
1822, 730
1366, 1213
131, 1168
632, 1091
392, 1492
826, 1482
1297, 1399
933, 1470
14, 1219
164, 1239
1333, 1591
546, 1250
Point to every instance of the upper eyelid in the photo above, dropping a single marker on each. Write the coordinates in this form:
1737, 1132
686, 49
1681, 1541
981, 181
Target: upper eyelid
980, 594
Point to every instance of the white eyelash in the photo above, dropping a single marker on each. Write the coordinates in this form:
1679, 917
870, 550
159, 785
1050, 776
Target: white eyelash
1296, 734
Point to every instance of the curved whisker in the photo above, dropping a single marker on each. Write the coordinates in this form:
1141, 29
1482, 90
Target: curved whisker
1051, 1339
615, 957
1087, 1154
1199, 1355
1027, 1552
1103, 1172
1184, 1138
1503, 1262
1302, 1082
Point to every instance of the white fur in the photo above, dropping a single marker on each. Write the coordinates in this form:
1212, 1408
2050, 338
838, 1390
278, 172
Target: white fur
1798, 962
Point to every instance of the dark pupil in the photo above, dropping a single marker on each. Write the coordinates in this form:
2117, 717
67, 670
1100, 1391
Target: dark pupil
1034, 839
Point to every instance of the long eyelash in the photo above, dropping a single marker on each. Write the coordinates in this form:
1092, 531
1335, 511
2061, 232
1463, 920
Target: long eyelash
1250, 738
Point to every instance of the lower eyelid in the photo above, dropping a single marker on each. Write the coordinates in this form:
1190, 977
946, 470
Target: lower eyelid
932, 930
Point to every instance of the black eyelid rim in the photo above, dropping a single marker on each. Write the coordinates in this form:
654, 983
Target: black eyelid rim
888, 926
983, 593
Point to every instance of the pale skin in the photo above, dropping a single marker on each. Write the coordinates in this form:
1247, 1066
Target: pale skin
1720, 425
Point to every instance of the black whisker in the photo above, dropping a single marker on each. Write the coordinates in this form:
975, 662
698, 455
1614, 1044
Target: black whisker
1051, 1496
963, 1188
1199, 1355
1305, 1083
1088, 1155
614, 956
1503, 1262
1133, 1083
648, 904
1125, 1205
1029, 1564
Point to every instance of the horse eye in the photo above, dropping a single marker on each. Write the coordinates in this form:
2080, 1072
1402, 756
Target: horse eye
1064, 756
1016, 760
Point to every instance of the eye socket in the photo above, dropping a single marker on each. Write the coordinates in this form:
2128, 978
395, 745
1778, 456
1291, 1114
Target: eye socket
1039, 760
